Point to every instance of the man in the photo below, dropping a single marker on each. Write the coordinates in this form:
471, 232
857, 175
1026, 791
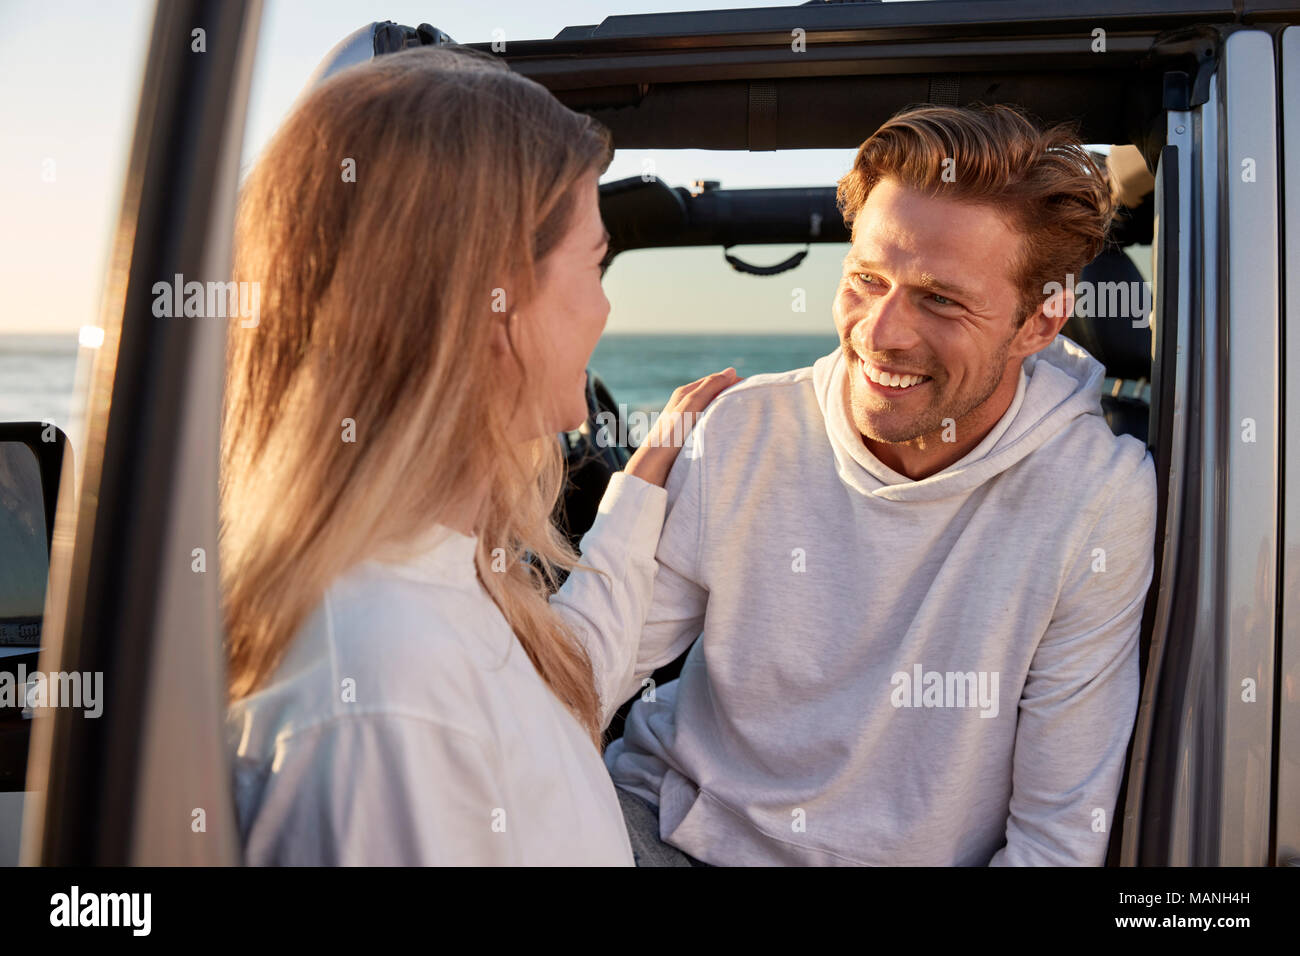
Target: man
916, 569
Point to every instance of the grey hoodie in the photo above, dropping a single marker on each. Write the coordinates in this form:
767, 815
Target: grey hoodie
890, 671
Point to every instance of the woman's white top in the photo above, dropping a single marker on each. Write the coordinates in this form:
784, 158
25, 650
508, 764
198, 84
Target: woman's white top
406, 724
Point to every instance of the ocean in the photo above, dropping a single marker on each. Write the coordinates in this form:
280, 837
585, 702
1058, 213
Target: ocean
38, 379
38, 372
641, 371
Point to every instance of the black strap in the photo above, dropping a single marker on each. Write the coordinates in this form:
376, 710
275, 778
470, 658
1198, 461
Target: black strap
741, 266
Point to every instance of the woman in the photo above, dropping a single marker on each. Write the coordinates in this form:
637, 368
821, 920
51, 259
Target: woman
426, 234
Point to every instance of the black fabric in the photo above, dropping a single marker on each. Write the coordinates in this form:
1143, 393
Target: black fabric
1126, 416
1112, 339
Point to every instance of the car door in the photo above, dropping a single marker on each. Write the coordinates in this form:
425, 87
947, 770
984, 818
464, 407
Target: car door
1200, 782
1287, 796
133, 590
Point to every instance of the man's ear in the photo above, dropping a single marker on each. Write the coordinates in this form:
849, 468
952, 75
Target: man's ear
1062, 309
1059, 303
1045, 324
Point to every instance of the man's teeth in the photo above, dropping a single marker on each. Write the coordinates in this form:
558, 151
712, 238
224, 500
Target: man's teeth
893, 380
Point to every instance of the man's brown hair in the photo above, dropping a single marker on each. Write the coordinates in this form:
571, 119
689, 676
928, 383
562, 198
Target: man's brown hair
1044, 183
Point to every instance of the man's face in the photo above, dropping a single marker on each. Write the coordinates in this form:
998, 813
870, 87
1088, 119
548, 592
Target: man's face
927, 291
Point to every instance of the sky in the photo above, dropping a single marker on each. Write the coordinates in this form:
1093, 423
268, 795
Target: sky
66, 123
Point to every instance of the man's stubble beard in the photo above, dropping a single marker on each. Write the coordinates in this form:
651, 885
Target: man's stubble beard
930, 420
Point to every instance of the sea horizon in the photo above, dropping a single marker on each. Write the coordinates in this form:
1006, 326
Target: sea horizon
640, 369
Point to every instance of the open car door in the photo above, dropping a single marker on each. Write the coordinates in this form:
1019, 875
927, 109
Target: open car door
134, 587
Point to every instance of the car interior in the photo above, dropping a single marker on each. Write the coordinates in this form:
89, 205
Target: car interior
798, 112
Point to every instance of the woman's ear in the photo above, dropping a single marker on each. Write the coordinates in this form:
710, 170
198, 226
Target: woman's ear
501, 334
507, 346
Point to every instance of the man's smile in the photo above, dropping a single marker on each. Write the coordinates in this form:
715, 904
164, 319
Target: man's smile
891, 383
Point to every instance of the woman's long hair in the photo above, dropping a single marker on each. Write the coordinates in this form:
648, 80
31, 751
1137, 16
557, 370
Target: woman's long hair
402, 207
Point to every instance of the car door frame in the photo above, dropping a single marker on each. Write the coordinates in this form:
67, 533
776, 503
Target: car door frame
1201, 775
134, 577
1286, 797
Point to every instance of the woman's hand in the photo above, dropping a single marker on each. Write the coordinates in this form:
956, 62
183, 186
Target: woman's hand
654, 459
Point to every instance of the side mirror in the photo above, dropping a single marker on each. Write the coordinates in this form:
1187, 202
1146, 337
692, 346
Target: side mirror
32, 459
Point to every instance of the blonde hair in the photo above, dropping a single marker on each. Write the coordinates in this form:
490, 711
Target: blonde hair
377, 301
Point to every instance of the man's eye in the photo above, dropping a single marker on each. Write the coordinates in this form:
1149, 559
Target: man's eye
943, 300
865, 278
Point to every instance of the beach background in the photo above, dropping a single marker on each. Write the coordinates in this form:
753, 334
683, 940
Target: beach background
38, 373
641, 371
38, 379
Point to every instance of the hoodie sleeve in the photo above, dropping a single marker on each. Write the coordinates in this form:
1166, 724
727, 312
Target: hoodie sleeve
641, 612
1081, 693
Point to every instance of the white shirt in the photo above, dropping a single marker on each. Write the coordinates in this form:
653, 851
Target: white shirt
406, 724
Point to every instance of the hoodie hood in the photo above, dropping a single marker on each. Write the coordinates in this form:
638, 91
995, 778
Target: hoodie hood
1057, 385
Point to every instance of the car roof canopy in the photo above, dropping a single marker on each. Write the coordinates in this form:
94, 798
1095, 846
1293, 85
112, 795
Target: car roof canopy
823, 75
